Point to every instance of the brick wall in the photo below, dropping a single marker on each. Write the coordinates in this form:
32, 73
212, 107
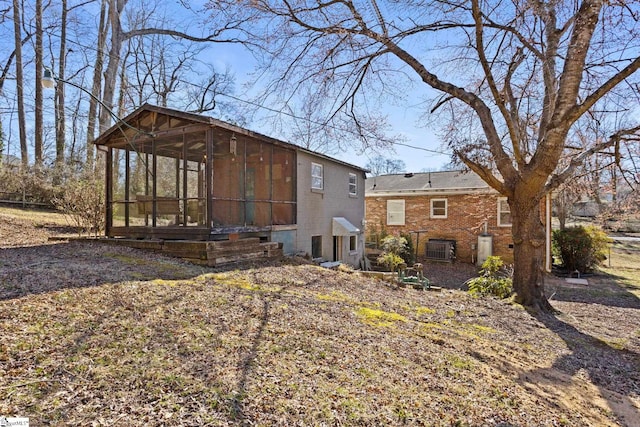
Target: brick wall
466, 215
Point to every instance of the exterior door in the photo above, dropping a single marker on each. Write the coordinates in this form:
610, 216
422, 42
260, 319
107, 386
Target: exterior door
337, 248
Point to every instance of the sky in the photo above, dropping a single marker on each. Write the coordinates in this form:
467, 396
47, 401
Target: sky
402, 119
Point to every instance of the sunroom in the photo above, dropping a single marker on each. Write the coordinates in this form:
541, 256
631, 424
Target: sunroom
183, 176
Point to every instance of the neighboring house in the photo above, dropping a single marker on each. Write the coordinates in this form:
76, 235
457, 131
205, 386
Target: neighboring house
444, 210
173, 175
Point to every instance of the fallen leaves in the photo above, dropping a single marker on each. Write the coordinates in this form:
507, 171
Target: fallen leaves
91, 338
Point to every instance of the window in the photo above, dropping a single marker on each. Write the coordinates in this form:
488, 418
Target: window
316, 246
504, 212
438, 208
317, 176
395, 212
353, 184
353, 243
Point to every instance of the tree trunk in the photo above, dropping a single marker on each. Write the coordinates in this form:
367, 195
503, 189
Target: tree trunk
60, 112
111, 72
24, 152
96, 87
38, 144
529, 252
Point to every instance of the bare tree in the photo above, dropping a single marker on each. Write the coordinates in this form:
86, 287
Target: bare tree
24, 152
114, 11
517, 75
37, 140
60, 115
96, 87
204, 95
380, 165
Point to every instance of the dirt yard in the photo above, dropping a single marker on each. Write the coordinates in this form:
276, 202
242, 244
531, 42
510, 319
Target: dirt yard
94, 334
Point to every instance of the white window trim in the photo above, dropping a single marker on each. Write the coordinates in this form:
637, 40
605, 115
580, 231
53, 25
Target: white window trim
500, 200
398, 203
355, 184
313, 166
446, 208
355, 248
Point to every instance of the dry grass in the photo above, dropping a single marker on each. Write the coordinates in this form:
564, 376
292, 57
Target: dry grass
36, 216
97, 336
624, 265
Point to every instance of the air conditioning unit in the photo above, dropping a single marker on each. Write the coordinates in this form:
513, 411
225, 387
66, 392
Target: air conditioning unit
441, 250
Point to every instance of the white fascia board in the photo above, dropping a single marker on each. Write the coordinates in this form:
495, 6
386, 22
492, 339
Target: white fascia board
432, 192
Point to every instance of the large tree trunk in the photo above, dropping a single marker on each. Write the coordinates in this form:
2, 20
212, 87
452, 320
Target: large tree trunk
529, 251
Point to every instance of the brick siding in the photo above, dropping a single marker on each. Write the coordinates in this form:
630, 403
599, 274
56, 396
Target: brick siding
466, 216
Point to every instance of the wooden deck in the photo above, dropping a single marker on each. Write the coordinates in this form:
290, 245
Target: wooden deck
211, 253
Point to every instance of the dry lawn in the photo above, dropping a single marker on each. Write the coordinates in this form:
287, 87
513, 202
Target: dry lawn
93, 334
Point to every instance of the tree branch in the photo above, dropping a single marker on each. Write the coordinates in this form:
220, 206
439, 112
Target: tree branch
614, 140
497, 97
590, 100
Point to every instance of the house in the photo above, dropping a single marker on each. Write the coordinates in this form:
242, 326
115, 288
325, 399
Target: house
176, 176
449, 215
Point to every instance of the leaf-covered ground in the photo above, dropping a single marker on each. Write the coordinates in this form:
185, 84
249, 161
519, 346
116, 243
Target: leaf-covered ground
93, 334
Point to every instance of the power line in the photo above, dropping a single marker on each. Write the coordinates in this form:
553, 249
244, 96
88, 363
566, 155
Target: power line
264, 107
315, 122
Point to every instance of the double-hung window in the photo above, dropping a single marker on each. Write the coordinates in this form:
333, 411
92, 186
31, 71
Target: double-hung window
504, 212
438, 208
317, 176
353, 184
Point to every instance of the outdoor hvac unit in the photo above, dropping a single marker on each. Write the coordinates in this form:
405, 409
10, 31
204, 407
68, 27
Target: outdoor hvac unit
441, 250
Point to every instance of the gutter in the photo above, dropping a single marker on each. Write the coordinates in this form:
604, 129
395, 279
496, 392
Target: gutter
432, 191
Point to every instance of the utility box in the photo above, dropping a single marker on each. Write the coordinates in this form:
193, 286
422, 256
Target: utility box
485, 247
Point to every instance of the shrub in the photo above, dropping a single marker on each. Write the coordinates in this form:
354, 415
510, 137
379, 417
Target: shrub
494, 279
408, 252
390, 260
394, 244
31, 185
393, 249
376, 236
580, 248
83, 203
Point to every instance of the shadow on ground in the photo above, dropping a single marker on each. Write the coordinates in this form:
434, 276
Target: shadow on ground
45, 268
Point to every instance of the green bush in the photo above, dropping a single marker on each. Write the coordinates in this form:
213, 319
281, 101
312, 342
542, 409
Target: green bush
493, 280
390, 260
394, 244
408, 252
395, 251
580, 248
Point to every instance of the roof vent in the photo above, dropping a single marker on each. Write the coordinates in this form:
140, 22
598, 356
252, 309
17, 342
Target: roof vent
408, 175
